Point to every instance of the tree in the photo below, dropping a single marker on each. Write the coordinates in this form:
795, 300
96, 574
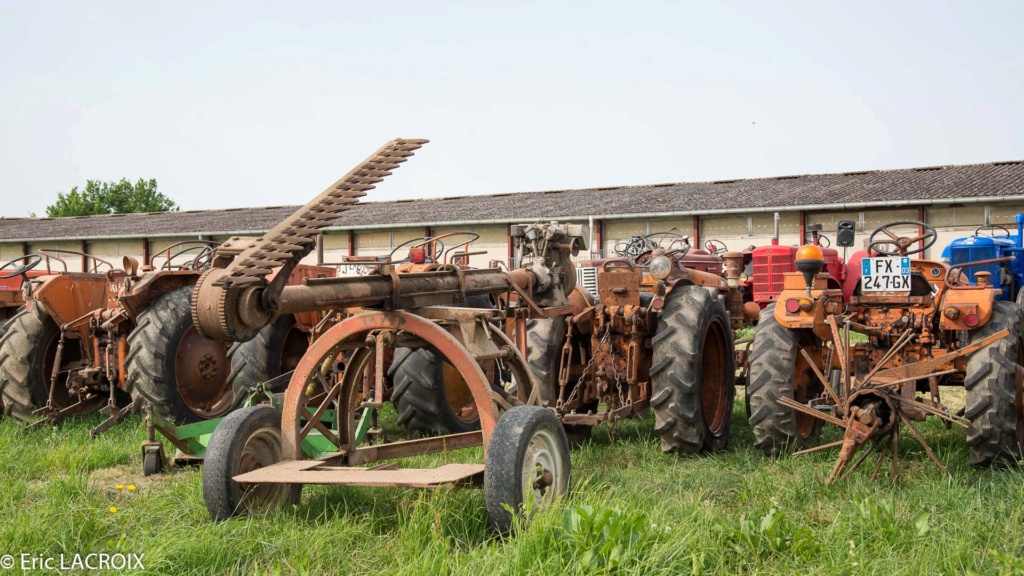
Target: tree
111, 198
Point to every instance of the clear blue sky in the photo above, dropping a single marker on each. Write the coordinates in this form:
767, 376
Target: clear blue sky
249, 103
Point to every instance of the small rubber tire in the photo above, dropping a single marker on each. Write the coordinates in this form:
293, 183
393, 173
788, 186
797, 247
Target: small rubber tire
995, 433
233, 450
151, 463
524, 438
693, 373
772, 373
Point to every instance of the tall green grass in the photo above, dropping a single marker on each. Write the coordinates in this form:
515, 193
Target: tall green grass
633, 510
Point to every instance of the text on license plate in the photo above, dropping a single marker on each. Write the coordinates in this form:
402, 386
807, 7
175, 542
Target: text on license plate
885, 274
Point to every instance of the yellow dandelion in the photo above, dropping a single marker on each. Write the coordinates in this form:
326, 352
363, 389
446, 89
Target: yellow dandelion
131, 487
119, 486
113, 509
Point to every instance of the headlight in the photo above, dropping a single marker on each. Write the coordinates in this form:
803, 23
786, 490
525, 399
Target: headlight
660, 267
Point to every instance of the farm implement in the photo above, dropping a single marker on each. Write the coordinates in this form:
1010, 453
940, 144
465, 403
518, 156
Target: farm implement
565, 362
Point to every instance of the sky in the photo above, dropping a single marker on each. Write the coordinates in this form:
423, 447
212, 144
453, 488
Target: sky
231, 104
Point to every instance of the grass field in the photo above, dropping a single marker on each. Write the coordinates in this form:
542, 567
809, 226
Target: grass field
632, 510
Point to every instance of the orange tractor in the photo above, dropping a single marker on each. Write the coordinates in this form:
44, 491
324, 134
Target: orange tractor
111, 340
925, 326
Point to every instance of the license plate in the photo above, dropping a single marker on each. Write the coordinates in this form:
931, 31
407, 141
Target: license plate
885, 274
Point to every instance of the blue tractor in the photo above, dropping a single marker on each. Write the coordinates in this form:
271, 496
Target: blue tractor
991, 242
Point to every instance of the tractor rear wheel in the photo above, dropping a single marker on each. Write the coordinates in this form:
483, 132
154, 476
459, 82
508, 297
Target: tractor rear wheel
171, 365
693, 373
429, 395
777, 370
28, 350
994, 403
276, 350
545, 337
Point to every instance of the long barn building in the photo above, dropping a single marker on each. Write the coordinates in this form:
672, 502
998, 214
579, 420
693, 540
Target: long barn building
954, 199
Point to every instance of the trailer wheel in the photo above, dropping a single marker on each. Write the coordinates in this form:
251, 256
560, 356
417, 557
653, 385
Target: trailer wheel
692, 373
247, 439
429, 395
276, 350
778, 370
172, 366
527, 461
994, 403
28, 350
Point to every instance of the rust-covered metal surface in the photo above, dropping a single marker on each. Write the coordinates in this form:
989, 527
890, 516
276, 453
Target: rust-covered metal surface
294, 238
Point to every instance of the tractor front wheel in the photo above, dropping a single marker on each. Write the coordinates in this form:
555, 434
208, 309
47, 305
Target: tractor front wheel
172, 366
777, 370
693, 372
994, 404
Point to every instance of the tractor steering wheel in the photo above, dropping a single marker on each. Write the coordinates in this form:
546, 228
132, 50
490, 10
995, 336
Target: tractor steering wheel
633, 248
423, 240
716, 247
31, 261
200, 262
993, 228
823, 240
902, 243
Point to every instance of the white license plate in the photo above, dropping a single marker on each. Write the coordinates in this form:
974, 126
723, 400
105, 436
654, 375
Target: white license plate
885, 274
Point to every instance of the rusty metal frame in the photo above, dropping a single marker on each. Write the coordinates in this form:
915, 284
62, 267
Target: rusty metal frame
350, 330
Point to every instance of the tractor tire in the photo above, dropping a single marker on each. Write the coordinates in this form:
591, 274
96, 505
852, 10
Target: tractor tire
544, 339
27, 352
693, 373
183, 375
993, 406
773, 374
429, 395
274, 351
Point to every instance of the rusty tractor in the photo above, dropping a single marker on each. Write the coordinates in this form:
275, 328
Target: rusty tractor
12, 281
29, 344
111, 341
260, 456
657, 333
926, 327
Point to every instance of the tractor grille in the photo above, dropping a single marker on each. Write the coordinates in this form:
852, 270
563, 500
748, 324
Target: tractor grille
587, 277
770, 265
961, 254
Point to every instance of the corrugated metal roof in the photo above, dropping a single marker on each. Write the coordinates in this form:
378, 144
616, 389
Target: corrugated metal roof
913, 186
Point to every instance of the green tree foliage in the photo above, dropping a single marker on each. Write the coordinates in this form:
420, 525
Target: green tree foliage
111, 198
